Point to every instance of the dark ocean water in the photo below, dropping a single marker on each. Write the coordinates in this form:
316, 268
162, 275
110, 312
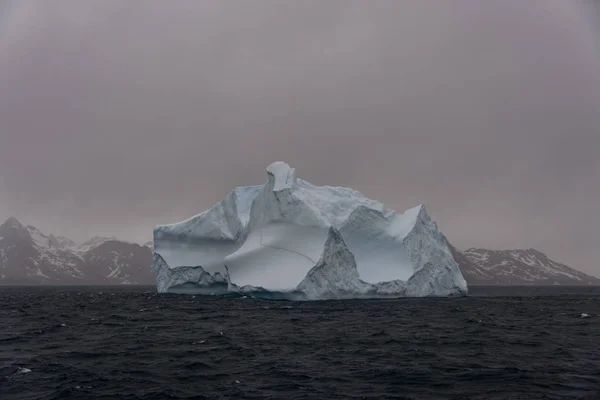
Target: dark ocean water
129, 343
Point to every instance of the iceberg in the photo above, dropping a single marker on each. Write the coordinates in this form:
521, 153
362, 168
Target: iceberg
291, 239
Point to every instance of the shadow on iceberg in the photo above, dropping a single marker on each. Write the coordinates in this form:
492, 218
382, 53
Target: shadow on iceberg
290, 240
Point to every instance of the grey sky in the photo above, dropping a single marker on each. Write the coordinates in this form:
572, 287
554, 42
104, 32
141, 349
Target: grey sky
118, 115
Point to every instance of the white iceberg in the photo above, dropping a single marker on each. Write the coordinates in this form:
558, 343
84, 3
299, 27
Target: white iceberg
291, 239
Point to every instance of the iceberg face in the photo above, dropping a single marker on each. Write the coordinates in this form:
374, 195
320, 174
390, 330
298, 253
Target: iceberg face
185, 279
335, 275
305, 242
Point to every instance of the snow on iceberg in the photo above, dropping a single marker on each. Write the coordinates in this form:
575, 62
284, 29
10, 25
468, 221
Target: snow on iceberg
302, 241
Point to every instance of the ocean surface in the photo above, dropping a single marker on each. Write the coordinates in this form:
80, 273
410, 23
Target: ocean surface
130, 343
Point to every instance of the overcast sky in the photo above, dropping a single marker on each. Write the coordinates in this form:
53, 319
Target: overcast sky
120, 115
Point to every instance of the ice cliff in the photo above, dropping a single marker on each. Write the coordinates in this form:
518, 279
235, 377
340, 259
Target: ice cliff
305, 242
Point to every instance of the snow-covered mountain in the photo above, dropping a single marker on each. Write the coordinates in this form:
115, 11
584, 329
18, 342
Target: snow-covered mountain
27, 256
517, 267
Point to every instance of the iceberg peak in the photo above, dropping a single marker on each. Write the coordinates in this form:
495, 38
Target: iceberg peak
281, 176
312, 242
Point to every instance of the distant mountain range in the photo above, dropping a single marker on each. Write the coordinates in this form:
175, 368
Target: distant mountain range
27, 256
517, 267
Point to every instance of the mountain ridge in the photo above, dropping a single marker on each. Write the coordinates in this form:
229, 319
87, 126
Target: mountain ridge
28, 256
520, 266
